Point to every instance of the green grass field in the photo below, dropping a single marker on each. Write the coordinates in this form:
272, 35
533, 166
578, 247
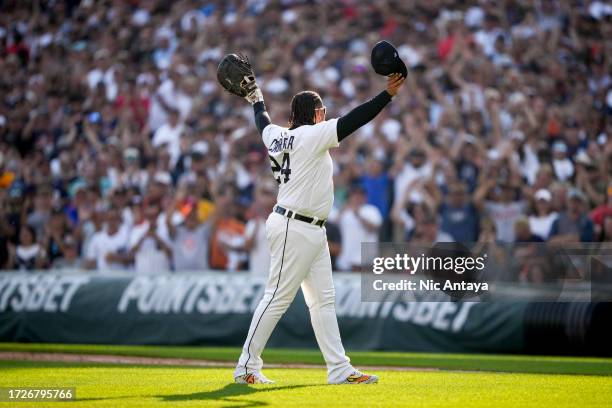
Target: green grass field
503, 381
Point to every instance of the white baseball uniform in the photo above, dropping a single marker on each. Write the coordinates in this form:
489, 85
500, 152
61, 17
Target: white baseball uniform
299, 252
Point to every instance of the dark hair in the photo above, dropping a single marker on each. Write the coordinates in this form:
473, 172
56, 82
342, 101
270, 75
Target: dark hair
114, 209
31, 230
303, 107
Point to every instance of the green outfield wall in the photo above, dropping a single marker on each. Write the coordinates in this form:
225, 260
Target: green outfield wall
215, 309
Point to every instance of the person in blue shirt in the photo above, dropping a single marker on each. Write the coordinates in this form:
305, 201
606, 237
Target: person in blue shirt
458, 215
376, 183
573, 224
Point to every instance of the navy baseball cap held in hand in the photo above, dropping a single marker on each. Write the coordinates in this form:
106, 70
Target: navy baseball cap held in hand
386, 60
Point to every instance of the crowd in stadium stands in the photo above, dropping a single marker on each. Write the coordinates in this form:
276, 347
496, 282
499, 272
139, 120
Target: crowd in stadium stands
119, 150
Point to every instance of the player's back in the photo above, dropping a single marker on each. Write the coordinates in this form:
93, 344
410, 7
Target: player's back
302, 166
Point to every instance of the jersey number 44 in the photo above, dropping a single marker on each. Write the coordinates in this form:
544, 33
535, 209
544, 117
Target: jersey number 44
281, 171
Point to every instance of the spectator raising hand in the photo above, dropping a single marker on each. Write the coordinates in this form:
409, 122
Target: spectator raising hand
509, 113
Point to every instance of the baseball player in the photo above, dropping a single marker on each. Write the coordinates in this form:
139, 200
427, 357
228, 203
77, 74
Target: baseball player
302, 166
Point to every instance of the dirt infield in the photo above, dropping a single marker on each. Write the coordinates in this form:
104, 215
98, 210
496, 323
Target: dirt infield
135, 360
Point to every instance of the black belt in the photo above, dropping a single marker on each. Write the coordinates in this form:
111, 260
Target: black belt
292, 214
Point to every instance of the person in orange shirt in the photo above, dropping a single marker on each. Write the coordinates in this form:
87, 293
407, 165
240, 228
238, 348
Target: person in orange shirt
6, 179
228, 235
6, 176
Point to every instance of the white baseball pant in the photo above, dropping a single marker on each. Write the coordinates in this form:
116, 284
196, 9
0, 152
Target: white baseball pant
299, 257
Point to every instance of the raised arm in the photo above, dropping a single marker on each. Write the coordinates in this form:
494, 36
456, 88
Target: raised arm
367, 111
262, 119
255, 98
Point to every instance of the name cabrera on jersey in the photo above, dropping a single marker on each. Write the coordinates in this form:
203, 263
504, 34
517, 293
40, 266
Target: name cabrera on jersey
302, 166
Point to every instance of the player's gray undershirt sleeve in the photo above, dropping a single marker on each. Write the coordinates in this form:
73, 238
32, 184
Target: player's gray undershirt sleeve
361, 115
262, 119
